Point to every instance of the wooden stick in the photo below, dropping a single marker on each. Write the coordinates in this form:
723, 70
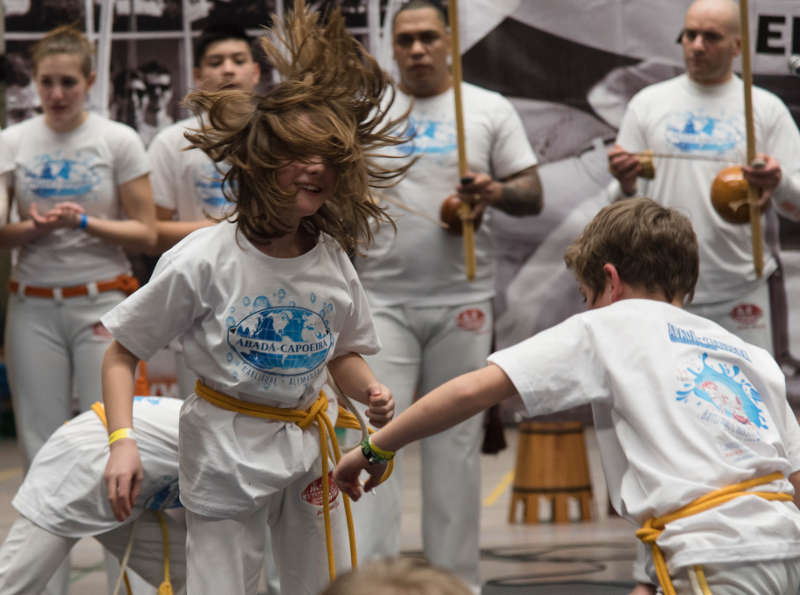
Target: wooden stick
465, 212
689, 156
752, 197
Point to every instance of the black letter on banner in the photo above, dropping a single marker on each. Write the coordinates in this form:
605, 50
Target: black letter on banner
796, 35
765, 34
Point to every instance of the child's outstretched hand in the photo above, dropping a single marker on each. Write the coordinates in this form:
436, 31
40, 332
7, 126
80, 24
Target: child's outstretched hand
380, 408
349, 468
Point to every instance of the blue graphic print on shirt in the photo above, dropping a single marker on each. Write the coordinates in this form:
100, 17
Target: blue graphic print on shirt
208, 186
727, 391
60, 177
432, 137
690, 132
280, 339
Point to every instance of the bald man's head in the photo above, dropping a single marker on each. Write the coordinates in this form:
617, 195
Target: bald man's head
727, 11
711, 39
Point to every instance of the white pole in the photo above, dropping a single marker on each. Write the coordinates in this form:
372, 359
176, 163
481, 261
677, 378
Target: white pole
188, 46
102, 92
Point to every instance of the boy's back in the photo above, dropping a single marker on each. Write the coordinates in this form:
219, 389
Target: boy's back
682, 408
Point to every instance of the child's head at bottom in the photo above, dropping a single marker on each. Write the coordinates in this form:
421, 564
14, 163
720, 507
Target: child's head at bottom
652, 248
397, 576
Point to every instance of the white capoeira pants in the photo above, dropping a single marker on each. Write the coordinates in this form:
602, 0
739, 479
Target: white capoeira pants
421, 349
756, 578
747, 316
50, 345
227, 555
30, 555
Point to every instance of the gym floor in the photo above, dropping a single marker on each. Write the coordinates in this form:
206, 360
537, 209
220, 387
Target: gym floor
574, 557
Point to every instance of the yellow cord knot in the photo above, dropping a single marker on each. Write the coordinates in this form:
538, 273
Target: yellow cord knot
316, 414
653, 527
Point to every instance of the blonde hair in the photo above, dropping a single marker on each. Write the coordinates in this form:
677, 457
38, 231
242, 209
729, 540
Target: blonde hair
66, 39
397, 576
651, 246
329, 104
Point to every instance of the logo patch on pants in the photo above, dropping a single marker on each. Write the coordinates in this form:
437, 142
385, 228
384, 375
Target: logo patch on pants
98, 330
747, 315
471, 319
313, 492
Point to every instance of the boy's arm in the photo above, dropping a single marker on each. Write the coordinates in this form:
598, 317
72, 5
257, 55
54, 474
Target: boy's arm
355, 379
123, 473
443, 407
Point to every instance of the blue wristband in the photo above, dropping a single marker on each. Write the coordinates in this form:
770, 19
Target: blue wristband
84, 221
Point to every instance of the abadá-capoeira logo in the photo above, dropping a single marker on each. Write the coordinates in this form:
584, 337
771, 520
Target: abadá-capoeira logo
61, 178
282, 340
723, 394
691, 132
431, 137
208, 186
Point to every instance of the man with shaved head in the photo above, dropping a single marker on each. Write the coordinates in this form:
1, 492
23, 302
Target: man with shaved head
700, 115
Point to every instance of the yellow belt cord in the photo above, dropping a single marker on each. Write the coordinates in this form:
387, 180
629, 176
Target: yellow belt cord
166, 586
315, 414
653, 527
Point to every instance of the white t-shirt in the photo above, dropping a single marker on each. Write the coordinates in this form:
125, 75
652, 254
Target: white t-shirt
422, 264
64, 492
85, 165
679, 116
186, 182
254, 327
682, 407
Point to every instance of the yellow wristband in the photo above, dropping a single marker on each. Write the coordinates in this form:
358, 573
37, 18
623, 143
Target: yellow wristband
120, 434
387, 455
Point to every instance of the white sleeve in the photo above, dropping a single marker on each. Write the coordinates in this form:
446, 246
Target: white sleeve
162, 309
783, 143
6, 152
556, 369
511, 151
359, 334
164, 170
130, 157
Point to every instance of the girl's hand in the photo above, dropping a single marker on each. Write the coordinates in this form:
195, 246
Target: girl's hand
70, 213
63, 215
123, 477
380, 408
348, 470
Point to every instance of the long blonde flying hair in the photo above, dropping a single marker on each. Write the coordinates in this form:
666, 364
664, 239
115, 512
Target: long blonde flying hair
330, 104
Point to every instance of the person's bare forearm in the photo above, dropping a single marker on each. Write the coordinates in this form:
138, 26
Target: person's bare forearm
353, 376
521, 194
446, 406
172, 232
130, 234
119, 369
17, 234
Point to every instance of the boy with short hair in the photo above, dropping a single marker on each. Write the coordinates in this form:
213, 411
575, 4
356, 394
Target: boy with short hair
187, 186
682, 407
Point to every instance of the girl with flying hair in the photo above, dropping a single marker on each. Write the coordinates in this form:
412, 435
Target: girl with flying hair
261, 303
